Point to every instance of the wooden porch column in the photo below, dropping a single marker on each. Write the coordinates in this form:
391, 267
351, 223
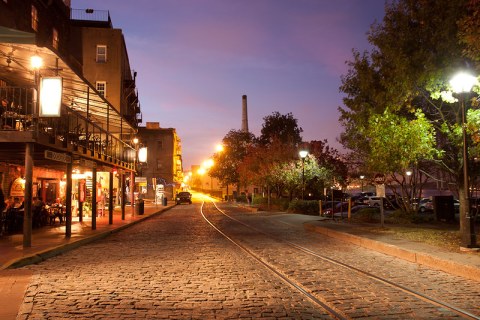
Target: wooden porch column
132, 191
27, 215
68, 214
122, 195
80, 203
94, 198
110, 198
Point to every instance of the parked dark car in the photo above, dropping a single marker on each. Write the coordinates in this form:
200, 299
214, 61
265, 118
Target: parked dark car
339, 207
184, 197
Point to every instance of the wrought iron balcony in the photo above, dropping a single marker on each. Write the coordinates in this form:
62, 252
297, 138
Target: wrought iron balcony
73, 132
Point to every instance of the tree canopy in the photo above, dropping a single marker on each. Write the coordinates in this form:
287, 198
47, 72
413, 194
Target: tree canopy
283, 127
403, 81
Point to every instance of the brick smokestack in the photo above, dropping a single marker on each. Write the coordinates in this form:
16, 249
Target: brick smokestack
244, 114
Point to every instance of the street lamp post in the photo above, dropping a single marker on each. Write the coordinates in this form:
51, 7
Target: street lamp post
303, 154
462, 83
361, 179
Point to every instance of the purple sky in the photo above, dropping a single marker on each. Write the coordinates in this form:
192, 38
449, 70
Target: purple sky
196, 58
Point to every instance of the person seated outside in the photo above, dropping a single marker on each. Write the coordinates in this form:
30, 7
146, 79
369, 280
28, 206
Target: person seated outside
39, 214
17, 204
57, 210
37, 202
8, 203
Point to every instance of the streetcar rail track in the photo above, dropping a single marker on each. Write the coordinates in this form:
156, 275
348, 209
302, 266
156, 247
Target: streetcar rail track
419, 295
331, 310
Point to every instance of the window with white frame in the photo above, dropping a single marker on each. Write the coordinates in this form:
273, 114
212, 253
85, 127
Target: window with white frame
34, 18
55, 39
102, 88
101, 53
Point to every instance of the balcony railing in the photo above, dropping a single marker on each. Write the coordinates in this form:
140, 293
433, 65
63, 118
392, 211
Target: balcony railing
73, 131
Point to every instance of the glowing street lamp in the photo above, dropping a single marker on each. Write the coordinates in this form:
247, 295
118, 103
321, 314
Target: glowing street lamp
303, 154
36, 62
462, 83
361, 179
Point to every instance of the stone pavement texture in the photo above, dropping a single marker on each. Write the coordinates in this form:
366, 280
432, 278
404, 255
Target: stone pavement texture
48, 242
464, 264
51, 241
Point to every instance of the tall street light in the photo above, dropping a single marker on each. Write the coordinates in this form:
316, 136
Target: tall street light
303, 154
361, 179
462, 83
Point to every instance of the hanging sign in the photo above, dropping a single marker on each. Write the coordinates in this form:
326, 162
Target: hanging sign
56, 156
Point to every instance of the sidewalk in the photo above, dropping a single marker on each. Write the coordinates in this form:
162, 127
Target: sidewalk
464, 264
49, 241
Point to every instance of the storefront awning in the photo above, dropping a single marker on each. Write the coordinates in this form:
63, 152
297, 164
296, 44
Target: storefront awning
8, 35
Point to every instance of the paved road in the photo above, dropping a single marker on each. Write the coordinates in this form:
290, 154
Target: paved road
175, 266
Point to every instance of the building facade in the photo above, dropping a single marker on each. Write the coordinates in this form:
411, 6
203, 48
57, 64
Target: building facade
164, 168
64, 152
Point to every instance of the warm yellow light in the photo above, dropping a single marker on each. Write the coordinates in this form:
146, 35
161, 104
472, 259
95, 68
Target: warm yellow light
78, 176
219, 148
201, 171
463, 82
36, 62
142, 154
50, 96
135, 140
210, 163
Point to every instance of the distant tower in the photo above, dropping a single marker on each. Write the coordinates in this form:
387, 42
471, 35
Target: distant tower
244, 114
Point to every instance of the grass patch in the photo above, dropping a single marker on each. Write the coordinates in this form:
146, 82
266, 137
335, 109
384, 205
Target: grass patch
440, 236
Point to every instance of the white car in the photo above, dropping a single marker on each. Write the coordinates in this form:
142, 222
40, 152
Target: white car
373, 201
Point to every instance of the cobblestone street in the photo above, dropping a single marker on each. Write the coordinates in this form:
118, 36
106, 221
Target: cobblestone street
173, 266
176, 266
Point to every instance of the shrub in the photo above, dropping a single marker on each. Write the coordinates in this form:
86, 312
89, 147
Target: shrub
304, 207
368, 215
241, 198
280, 204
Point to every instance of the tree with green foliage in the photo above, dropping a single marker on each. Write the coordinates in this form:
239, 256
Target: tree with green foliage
283, 127
401, 145
418, 47
333, 162
292, 172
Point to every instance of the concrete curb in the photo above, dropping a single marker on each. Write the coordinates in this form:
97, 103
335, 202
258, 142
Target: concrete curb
466, 271
55, 251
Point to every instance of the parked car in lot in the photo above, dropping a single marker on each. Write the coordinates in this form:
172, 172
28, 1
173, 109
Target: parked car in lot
338, 207
425, 205
373, 201
184, 197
